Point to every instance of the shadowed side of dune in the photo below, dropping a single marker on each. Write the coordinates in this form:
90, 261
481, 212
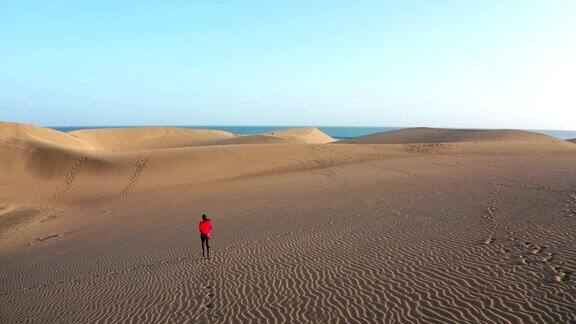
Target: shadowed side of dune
16, 134
37, 152
572, 140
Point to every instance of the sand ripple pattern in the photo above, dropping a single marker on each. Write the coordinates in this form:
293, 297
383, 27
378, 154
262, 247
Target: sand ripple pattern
422, 257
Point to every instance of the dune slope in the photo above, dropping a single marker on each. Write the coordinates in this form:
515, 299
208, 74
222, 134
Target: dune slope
19, 134
146, 138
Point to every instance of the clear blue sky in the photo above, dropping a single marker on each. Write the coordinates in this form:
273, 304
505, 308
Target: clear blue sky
445, 63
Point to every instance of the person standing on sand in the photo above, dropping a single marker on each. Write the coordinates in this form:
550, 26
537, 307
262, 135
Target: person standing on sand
205, 228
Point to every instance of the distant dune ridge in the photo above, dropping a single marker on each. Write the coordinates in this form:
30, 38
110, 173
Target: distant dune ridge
42, 152
147, 138
417, 225
305, 135
150, 138
437, 135
46, 153
143, 138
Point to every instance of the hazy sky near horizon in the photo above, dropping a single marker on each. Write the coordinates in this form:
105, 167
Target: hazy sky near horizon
446, 63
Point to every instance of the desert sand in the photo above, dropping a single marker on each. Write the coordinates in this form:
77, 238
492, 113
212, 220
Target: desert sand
418, 225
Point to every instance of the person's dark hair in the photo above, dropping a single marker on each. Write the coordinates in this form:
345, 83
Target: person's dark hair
204, 217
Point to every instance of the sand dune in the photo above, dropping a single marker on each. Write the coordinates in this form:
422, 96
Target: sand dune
146, 138
21, 134
478, 228
46, 154
149, 138
307, 135
436, 135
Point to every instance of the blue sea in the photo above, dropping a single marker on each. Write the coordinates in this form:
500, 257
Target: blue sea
337, 132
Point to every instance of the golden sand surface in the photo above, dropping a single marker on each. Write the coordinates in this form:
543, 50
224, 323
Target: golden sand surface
418, 225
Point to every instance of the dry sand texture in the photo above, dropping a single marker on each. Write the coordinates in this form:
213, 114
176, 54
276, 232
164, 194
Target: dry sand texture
419, 225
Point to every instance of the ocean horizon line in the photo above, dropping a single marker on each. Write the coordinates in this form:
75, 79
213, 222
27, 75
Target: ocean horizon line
337, 132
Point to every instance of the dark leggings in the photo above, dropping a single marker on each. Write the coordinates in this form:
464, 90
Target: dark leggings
205, 241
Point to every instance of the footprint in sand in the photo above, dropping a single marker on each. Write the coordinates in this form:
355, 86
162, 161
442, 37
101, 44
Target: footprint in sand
527, 244
562, 275
489, 240
522, 260
41, 239
548, 257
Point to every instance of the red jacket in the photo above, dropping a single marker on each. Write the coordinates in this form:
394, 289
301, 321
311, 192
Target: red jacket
205, 227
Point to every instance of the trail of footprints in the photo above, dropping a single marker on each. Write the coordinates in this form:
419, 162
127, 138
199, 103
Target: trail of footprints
571, 202
491, 210
525, 252
70, 177
531, 252
18, 131
135, 177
